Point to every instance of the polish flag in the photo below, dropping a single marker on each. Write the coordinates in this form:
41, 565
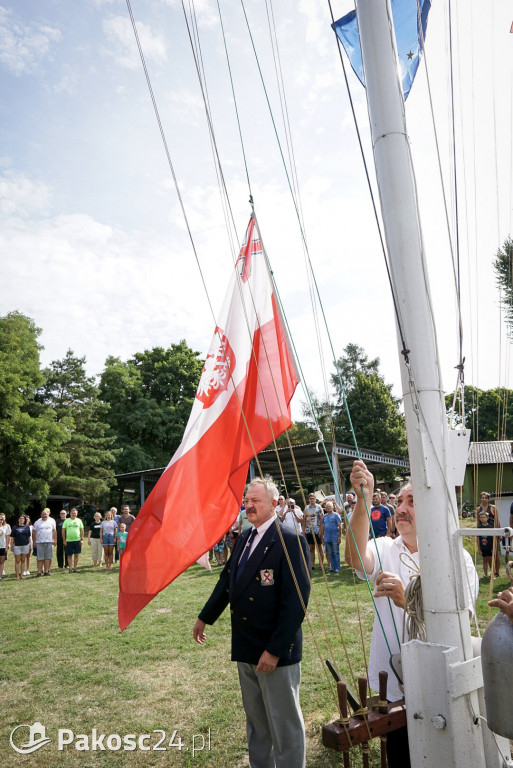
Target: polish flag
242, 403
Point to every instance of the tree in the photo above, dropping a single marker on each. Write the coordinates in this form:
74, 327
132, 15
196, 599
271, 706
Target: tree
503, 266
30, 439
377, 421
74, 398
376, 418
353, 360
150, 398
488, 413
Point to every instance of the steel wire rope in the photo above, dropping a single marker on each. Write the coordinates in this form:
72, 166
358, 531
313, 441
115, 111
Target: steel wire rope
269, 267
296, 191
414, 391
456, 256
502, 396
170, 163
198, 55
220, 175
234, 100
252, 204
284, 315
171, 166
330, 597
296, 195
405, 350
202, 84
413, 388
460, 388
214, 144
329, 463
310, 264
217, 163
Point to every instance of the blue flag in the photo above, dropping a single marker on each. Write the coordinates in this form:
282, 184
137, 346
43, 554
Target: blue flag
407, 34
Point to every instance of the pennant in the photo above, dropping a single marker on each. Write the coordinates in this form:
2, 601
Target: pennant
242, 402
407, 35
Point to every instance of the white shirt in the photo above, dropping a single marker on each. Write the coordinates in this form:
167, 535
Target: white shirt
44, 530
259, 533
390, 551
5, 530
290, 521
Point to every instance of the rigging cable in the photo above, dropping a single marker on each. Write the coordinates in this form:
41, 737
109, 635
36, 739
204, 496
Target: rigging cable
213, 142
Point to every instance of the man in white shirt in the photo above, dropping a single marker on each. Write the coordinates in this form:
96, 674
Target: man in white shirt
292, 517
44, 538
390, 573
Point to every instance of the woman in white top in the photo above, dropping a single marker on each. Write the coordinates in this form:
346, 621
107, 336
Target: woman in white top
5, 537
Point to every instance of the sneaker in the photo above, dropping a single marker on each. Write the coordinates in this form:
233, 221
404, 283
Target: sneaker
75, 570
44, 574
27, 573
38, 574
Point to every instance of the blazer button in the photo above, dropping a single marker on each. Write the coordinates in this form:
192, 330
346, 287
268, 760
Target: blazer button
244, 618
251, 598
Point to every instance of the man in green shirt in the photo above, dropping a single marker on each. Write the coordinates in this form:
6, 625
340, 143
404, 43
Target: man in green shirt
72, 537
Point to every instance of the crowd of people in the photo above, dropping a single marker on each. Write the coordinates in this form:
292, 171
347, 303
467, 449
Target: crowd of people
322, 523
64, 538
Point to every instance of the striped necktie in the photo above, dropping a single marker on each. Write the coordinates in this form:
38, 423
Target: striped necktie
245, 554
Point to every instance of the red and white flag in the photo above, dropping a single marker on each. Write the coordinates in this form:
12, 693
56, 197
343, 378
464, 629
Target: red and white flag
242, 402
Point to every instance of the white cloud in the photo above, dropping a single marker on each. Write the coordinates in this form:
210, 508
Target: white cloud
21, 197
24, 45
187, 106
123, 47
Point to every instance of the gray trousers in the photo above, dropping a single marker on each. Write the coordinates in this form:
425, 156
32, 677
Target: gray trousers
274, 721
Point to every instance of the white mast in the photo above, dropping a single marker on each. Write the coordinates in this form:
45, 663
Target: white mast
441, 675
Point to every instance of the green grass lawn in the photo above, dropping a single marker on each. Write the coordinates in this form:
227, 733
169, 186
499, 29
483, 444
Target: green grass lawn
65, 663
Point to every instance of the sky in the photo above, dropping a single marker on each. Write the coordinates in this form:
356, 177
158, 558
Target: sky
93, 243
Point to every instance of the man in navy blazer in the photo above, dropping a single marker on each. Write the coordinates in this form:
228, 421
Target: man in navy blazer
267, 583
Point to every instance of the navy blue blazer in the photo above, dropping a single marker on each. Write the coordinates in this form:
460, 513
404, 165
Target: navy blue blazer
266, 610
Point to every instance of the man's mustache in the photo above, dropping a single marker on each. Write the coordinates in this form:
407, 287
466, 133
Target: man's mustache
404, 516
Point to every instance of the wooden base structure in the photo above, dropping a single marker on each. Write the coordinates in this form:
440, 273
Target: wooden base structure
374, 719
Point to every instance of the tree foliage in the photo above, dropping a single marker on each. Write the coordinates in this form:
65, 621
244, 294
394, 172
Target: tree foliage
150, 398
376, 417
375, 413
353, 361
30, 439
488, 413
503, 266
74, 398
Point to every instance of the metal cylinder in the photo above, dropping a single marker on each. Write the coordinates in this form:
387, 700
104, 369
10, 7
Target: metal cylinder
497, 663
